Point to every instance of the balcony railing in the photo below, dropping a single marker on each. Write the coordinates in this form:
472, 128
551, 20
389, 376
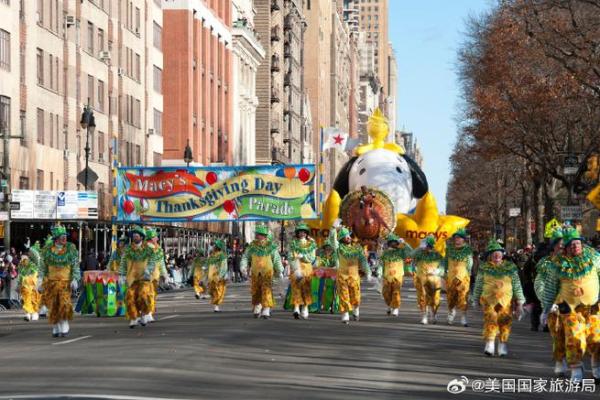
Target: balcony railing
275, 5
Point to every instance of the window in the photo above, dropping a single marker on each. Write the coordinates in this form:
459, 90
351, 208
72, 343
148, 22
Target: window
39, 179
40, 66
90, 38
100, 102
51, 65
4, 114
7, 2
138, 154
157, 36
52, 181
137, 20
157, 79
4, 49
90, 94
40, 11
40, 126
137, 67
51, 141
100, 39
157, 122
101, 146
22, 119
157, 159
56, 72
23, 182
138, 113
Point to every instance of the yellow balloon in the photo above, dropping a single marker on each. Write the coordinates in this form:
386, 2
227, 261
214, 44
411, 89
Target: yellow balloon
427, 221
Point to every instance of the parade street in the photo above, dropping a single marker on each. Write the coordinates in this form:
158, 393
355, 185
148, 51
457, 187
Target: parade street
193, 353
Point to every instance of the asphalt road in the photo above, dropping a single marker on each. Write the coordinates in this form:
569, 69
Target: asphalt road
193, 353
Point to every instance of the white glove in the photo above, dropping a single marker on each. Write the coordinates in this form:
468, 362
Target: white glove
474, 303
369, 278
519, 311
74, 284
554, 308
544, 319
122, 280
298, 274
28, 244
147, 276
337, 223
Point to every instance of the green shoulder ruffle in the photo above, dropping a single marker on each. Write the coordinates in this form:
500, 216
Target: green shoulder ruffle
307, 249
507, 268
138, 254
350, 251
576, 267
394, 255
462, 254
427, 256
61, 258
217, 258
261, 250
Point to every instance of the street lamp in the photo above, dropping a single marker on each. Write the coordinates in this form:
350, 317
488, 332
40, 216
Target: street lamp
187, 154
88, 122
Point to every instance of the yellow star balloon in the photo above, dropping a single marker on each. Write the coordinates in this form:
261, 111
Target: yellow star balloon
427, 221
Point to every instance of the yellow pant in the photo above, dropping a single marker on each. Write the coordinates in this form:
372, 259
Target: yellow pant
57, 297
140, 299
581, 333
31, 299
301, 290
391, 292
262, 290
198, 288
155, 287
457, 294
348, 289
428, 291
497, 321
558, 337
217, 289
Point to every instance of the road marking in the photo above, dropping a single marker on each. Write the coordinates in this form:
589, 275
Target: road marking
168, 317
86, 396
71, 340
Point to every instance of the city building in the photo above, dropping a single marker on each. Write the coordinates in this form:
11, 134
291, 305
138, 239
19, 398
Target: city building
281, 115
248, 54
411, 147
57, 57
198, 80
392, 95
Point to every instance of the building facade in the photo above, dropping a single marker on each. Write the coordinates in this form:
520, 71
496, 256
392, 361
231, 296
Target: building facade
248, 54
198, 80
62, 56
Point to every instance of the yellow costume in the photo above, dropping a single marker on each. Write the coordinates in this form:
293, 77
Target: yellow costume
351, 258
427, 280
198, 275
496, 286
458, 264
59, 267
159, 266
28, 288
392, 272
265, 261
216, 267
115, 258
571, 287
137, 269
301, 255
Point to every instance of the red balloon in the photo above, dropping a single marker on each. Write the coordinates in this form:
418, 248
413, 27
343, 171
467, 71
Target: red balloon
304, 175
128, 206
211, 178
229, 206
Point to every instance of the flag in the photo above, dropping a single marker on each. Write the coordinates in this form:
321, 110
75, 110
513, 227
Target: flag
334, 138
594, 196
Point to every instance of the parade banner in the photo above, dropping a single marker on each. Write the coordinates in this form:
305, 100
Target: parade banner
241, 193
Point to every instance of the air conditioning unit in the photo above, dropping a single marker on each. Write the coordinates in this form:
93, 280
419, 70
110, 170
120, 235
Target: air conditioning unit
120, 71
69, 20
105, 55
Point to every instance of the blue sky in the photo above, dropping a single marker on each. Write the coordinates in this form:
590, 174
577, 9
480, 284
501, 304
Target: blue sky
426, 36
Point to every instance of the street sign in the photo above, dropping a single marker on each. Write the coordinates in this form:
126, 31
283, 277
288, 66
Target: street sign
570, 213
39, 204
514, 212
15, 206
92, 177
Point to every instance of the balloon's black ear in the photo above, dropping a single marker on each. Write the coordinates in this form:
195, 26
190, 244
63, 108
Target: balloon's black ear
342, 180
419, 180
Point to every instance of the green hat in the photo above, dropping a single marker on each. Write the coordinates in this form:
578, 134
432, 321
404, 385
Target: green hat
48, 241
122, 239
302, 227
392, 237
137, 229
493, 246
151, 233
570, 234
462, 232
220, 244
344, 233
58, 231
261, 230
430, 241
556, 235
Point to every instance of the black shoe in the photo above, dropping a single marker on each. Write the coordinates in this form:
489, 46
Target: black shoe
26, 319
256, 315
546, 329
355, 317
265, 317
64, 334
55, 335
487, 354
466, 325
296, 315
131, 326
389, 312
197, 296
